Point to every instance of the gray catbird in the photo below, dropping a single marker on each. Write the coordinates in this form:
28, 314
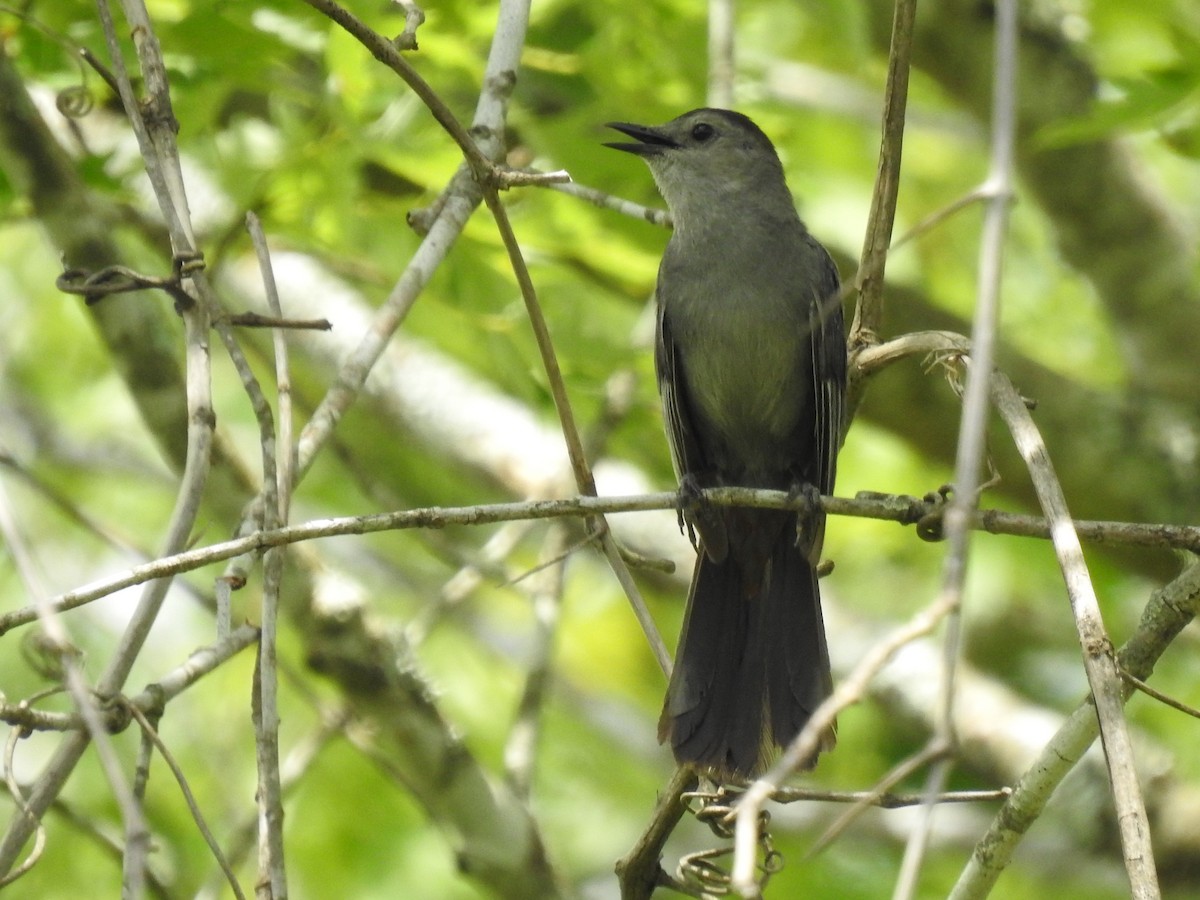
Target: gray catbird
751, 363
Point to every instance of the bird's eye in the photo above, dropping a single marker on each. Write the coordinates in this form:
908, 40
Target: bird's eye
703, 132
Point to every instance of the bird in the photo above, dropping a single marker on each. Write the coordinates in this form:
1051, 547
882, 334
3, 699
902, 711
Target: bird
750, 359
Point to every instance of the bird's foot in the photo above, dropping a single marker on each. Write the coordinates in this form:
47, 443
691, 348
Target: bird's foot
811, 517
696, 514
687, 506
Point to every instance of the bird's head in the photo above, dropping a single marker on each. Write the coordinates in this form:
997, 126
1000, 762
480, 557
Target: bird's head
706, 159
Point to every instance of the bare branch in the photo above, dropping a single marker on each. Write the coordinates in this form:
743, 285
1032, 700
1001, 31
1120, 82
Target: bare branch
868, 312
151, 700
874, 797
276, 496
640, 871
1098, 658
887, 800
414, 18
654, 216
255, 320
902, 509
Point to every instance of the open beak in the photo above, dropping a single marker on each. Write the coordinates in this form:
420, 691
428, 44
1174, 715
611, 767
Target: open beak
650, 141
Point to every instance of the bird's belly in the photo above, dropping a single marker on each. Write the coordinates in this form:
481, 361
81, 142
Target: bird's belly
752, 401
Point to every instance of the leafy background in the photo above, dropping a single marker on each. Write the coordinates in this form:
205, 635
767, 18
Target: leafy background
283, 113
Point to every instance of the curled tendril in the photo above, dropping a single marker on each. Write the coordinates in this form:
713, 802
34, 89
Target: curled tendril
45, 656
772, 862
75, 102
706, 870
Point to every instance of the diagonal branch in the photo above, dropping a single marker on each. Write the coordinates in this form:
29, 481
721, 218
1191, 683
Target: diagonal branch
867, 324
1169, 610
1108, 690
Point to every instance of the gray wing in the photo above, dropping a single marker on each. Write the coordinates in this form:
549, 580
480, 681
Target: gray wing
828, 338
828, 346
692, 466
687, 455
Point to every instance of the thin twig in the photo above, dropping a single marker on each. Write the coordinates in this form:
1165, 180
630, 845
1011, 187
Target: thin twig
880, 800
257, 320
134, 866
868, 311
272, 874
154, 123
101, 69
653, 215
1162, 698
276, 462
541, 331
864, 800
937, 217
236, 575
972, 436
184, 788
571, 435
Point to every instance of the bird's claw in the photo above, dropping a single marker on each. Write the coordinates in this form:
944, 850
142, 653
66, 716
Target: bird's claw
688, 506
704, 522
810, 516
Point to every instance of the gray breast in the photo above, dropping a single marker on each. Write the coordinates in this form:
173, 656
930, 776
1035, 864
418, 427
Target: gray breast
749, 385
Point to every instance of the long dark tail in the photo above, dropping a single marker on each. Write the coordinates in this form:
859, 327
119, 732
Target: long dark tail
752, 664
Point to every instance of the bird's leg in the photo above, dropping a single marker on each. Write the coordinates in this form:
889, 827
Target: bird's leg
689, 500
810, 519
698, 515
